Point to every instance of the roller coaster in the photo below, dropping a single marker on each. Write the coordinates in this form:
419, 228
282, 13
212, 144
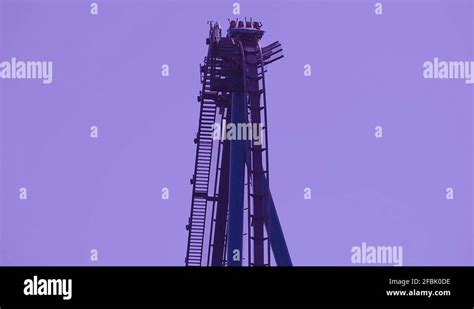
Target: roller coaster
232, 209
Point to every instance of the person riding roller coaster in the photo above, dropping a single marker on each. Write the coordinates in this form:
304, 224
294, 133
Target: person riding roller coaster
248, 24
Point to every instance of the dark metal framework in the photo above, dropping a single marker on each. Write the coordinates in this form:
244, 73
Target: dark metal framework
225, 171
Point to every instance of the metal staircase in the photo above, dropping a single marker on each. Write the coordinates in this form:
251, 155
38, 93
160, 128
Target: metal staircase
202, 168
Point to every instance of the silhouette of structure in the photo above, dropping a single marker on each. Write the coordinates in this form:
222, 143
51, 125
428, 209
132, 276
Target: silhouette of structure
231, 176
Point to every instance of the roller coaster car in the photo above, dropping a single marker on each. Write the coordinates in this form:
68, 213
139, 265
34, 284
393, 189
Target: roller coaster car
248, 30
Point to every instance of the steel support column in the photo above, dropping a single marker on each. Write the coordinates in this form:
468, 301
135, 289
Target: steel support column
236, 185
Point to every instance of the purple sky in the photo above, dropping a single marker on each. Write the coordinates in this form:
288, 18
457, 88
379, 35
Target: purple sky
105, 193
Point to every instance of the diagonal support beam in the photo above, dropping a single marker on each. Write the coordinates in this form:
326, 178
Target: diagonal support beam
277, 239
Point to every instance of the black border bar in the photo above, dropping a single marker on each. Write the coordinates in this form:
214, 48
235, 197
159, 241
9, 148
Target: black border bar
274, 285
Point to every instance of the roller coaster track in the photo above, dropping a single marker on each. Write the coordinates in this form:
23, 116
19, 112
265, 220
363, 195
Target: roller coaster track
225, 57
